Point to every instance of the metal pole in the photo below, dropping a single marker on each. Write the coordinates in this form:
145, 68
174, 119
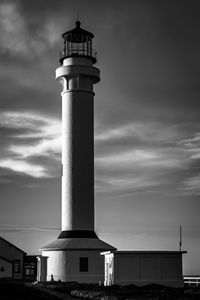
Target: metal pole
180, 241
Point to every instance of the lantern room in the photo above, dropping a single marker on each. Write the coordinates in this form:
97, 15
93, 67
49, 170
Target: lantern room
77, 42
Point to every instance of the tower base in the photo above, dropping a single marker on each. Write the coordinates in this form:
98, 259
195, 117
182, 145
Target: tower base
66, 266
75, 258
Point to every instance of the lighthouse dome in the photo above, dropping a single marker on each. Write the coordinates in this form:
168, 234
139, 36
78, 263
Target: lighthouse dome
78, 42
78, 35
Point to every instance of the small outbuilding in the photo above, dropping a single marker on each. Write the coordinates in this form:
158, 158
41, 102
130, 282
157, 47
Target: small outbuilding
30, 268
11, 260
143, 267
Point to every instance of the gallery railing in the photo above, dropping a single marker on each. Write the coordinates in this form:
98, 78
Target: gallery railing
78, 52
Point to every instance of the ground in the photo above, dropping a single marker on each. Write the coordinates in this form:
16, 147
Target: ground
129, 292
16, 290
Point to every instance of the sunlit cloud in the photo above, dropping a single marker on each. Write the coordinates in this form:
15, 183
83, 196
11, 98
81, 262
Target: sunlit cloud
156, 132
136, 169
46, 130
31, 136
141, 157
115, 133
43, 148
139, 130
24, 120
126, 182
192, 185
18, 166
192, 145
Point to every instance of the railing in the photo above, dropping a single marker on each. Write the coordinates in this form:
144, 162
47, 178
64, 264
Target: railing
192, 280
77, 52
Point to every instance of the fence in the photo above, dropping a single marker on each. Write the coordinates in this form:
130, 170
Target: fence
192, 280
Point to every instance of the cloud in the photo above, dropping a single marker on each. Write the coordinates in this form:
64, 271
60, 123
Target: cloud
17, 36
24, 120
133, 129
141, 158
144, 156
126, 183
24, 167
142, 132
30, 138
192, 145
46, 147
137, 169
45, 130
20, 228
192, 185
132, 156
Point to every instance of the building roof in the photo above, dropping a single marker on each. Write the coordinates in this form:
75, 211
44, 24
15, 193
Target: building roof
145, 252
10, 244
78, 244
10, 261
30, 258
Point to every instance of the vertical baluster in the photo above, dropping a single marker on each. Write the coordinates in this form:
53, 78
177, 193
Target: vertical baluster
64, 47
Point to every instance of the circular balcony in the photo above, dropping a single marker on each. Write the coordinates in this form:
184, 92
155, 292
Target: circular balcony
75, 51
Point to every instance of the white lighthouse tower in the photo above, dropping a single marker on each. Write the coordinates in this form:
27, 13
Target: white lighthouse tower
75, 255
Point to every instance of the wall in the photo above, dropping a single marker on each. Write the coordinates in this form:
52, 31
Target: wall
141, 269
11, 253
64, 265
42, 268
7, 269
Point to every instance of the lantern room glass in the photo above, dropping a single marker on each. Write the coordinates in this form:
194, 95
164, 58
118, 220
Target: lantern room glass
77, 42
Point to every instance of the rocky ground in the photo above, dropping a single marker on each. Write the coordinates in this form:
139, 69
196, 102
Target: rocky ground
130, 292
16, 290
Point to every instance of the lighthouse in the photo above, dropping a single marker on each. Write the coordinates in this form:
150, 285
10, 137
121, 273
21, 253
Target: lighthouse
75, 254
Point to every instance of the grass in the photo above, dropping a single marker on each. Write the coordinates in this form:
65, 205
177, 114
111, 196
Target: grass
130, 292
16, 290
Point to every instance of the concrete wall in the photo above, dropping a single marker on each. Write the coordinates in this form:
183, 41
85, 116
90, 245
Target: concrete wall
64, 265
142, 269
77, 161
5, 269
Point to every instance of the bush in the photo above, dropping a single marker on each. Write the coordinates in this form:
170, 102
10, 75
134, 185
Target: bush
87, 294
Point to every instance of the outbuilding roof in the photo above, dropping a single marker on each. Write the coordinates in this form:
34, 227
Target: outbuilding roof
12, 245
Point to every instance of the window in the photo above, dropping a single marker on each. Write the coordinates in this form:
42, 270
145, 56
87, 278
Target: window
16, 266
83, 264
30, 269
2, 269
29, 272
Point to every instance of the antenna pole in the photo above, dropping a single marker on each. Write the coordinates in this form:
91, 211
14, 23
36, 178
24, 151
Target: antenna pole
180, 241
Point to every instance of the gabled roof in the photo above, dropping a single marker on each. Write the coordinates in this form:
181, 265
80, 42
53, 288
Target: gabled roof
10, 244
10, 261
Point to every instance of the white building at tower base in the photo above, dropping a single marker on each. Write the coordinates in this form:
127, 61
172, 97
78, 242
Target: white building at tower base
76, 259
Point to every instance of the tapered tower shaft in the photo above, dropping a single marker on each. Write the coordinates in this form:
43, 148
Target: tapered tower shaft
78, 76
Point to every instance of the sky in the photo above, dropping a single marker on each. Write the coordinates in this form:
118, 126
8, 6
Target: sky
147, 122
